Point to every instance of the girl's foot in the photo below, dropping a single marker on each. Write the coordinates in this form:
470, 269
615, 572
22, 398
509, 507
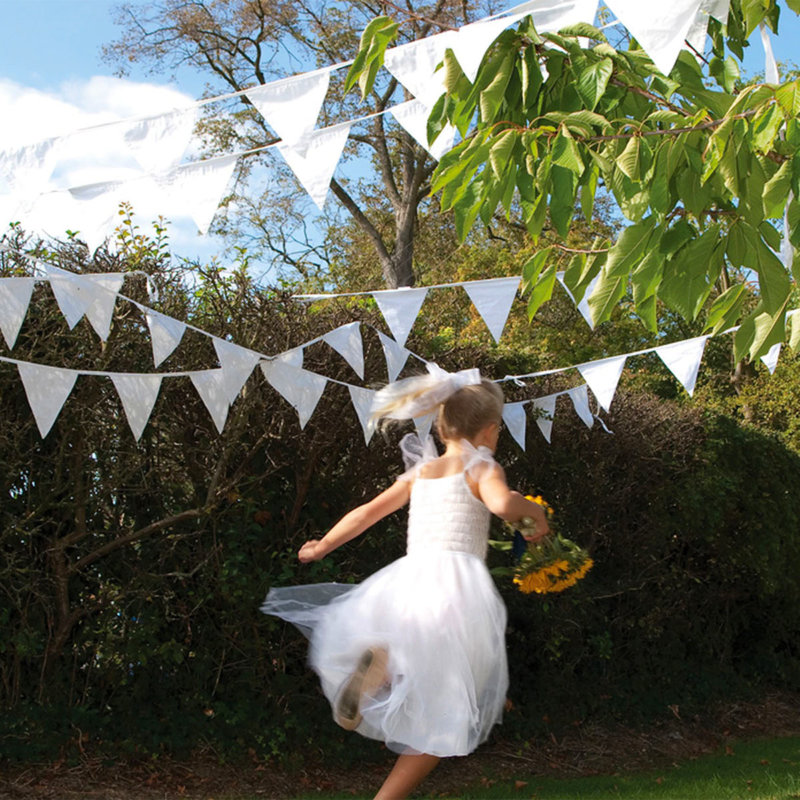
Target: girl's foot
368, 676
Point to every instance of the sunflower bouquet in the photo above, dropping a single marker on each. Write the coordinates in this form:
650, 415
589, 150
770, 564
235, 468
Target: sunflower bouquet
550, 565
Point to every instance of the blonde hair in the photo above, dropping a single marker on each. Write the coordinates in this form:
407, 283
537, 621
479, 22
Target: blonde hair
462, 414
466, 412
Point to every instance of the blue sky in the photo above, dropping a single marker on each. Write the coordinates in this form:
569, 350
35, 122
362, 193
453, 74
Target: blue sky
52, 77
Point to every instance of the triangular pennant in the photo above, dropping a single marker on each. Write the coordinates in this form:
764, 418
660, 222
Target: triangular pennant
299, 387
72, 295
603, 377
400, 308
314, 160
396, 356
237, 363
698, 31
15, 297
471, 42
770, 65
546, 408
291, 106
362, 402
158, 143
580, 400
770, 358
683, 360
346, 341
549, 17
583, 305
47, 389
493, 299
27, 169
138, 394
424, 424
293, 357
414, 65
198, 187
413, 116
660, 28
165, 334
213, 389
516, 420
94, 207
103, 289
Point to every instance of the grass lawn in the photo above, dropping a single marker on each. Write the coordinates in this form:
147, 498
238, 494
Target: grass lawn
763, 769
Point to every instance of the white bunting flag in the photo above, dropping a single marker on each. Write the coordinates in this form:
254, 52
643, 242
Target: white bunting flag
580, 400
27, 169
103, 289
291, 106
583, 306
471, 42
660, 28
515, 420
165, 333
47, 389
696, 36
346, 341
396, 356
400, 308
94, 208
413, 116
293, 357
424, 424
550, 17
15, 297
770, 358
198, 187
683, 360
314, 159
770, 65
213, 388
299, 387
159, 143
237, 363
414, 65
546, 412
362, 402
71, 295
138, 394
603, 377
493, 299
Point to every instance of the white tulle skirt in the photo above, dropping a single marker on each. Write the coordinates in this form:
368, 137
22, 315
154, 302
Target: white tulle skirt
441, 620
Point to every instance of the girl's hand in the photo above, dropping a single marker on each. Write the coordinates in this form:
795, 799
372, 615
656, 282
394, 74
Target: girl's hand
311, 551
533, 530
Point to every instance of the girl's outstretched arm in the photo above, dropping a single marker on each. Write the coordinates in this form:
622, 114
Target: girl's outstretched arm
508, 504
356, 522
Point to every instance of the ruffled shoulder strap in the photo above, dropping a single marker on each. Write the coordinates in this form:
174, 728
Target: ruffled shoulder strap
416, 453
476, 459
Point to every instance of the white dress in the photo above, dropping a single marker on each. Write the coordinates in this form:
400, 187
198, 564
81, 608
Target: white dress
435, 610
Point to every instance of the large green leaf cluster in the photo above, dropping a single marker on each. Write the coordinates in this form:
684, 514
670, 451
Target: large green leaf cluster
700, 165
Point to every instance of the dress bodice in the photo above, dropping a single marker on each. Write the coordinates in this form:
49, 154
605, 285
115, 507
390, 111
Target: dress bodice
444, 515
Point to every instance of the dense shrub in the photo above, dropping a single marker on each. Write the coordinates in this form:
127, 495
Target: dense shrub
132, 573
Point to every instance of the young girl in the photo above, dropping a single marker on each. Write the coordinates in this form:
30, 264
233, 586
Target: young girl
415, 655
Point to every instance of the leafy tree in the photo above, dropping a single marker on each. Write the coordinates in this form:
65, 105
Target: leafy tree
700, 165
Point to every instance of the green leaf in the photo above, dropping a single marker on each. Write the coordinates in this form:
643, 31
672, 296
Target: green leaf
500, 152
793, 318
773, 280
725, 309
533, 268
788, 97
725, 72
562, 199
465, 211
630, 246
531, 75
768, 329
593, 81
588, 190
647, 309
690, 275
645, 279
630, 159
542, 291
371, 49
765, 128
492, 97
566, 153
776, 190
607, 293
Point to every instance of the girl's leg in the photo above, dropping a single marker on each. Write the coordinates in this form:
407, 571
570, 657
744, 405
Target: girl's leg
407, 773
